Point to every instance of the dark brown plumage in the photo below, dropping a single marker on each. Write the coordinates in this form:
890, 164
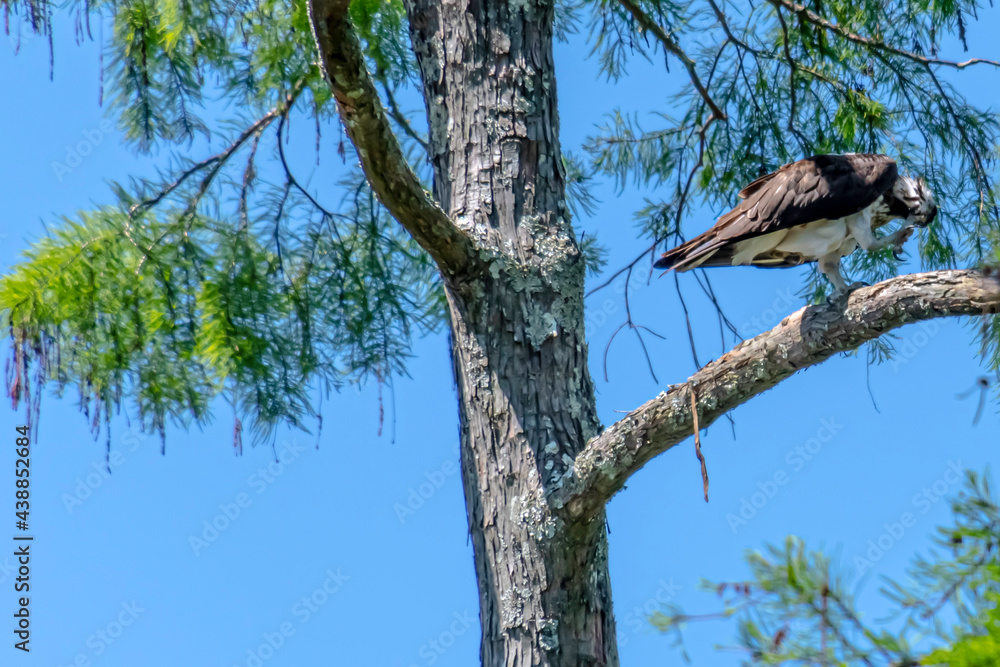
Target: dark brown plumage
822, 187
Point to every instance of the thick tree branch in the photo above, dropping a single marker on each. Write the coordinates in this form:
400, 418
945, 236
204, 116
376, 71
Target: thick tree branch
805, 338
395, 184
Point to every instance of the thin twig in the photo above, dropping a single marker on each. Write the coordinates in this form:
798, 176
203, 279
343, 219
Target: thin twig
982, 180
687, 320
729, 33
294, 182
397, 115
697, 443
627, 267
983, 385
816, 19
216, 163
673, 47
682, 200
629, 322
792, 66
856, 622
220, 158
868, 379
249, 174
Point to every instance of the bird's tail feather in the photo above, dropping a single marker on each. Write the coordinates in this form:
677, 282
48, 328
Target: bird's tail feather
697, 252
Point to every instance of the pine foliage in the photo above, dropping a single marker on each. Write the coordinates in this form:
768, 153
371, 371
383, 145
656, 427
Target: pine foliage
226, 276
797, 608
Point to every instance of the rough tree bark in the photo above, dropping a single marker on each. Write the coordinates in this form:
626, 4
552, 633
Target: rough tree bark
537, 470
526, 399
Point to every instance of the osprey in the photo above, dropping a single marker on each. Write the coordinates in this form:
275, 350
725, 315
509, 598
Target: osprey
815, 210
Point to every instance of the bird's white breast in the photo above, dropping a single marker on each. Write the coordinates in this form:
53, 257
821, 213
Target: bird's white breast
809, 242
815, 239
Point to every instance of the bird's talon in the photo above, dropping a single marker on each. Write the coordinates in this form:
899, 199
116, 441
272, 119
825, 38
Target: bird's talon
841, 294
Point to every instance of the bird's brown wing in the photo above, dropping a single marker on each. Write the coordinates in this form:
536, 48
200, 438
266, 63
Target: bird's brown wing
819, 187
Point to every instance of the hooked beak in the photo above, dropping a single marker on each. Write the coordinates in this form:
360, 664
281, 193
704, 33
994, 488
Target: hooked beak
922, 221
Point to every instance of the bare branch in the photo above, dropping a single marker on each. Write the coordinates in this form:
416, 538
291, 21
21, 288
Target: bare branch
292, 181
397, 187
213, 164
637, 328
805, 338
673, 47
816, 19
721, 17
217, 161
792, 66
628, 267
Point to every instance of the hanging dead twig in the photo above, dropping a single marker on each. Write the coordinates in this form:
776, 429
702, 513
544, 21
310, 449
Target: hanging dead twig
697, 443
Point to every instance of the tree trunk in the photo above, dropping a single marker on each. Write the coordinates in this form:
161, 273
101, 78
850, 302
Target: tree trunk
526, 399
536, 469
545, 595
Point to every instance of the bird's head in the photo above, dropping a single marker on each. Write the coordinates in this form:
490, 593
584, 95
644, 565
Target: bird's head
918, 199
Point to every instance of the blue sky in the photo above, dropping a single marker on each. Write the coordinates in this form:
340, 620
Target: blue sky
313, 561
